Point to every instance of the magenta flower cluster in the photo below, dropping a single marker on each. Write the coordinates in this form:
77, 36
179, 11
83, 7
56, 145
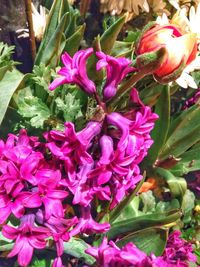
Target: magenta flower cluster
178, 253
52, 187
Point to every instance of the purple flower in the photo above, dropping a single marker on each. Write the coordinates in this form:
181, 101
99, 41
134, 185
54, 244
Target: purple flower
9, 205
178, 252
88, 225
194, 183
191, 101
108, 254
116, 70
116, 169
71, 146
27, 237
58, 262
60, 231
123, 124
74, 71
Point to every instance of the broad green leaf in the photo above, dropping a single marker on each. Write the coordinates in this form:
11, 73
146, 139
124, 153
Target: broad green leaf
125, 202
130, 211
150, 95
72, 23
159, 133
142, 222
177, 185
151, 240
184, 132
51, 53
51, 26
109, 37
76, 247
8, 85
73, 42
64, 8
122, 49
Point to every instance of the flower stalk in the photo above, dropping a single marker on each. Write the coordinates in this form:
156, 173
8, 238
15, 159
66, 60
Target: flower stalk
30, 27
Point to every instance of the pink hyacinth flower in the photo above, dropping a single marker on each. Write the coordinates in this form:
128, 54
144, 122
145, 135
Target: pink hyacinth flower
116, 70
27, 237
74, 71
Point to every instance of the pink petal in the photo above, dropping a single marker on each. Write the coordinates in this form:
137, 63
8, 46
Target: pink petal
36, 243
57, 82
10, 232
25, 254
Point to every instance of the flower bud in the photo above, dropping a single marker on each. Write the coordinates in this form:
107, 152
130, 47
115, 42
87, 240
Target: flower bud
180, 50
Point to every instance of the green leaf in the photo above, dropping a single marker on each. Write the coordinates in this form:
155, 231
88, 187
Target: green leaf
150, 95
188, 204
190, 161
122, 49
159, 133
9, 84
177, 185
152, 240
73, 42
183, 133
142, 222
130, 211
33, 108
148, 201
5, 55
167, 205
109, 37
43, 262
76, 247
51, 26
70, 106
50, 55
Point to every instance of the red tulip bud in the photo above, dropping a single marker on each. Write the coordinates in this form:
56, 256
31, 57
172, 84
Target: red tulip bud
180, 49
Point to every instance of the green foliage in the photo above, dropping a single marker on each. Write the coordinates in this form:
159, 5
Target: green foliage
40, 262
5, 55
62, 33
188, 204
76, 247
152, 240
9, 84
70, 106
32, 108
159, 133
177, 185
142, 222
184, 132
